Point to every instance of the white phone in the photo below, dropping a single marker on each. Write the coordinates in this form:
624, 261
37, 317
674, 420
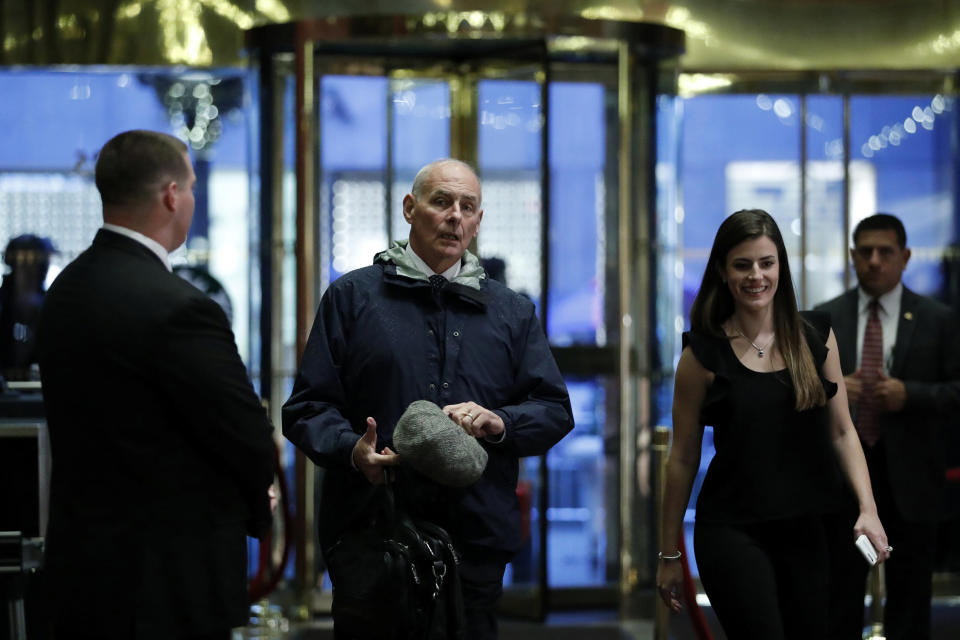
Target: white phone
866, 548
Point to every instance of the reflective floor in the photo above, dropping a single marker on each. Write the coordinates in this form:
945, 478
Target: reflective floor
597, 625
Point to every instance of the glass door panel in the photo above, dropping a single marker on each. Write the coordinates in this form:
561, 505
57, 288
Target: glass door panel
578, 244
509, 145
420, 118
583, 528
825, 246
353, 159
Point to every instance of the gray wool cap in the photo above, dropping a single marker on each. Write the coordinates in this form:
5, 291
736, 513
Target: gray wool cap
436, 446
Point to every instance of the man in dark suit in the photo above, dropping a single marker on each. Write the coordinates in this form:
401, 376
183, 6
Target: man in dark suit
900, 354
162, 454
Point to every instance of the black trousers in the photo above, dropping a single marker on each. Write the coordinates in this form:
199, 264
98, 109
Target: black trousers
765, 580
909, 571
481, 582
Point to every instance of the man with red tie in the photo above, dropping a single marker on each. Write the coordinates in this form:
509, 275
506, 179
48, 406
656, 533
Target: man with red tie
900, 355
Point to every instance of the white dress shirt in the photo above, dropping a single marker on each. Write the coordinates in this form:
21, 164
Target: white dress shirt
449, 274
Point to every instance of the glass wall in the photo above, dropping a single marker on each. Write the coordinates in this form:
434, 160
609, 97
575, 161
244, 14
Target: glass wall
825, 254
583, 468
56, 123
907, 146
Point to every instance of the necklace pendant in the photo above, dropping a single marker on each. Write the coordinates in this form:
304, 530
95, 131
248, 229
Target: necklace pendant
759, 353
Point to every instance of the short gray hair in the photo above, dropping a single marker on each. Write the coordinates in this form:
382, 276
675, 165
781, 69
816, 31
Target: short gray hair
421, 177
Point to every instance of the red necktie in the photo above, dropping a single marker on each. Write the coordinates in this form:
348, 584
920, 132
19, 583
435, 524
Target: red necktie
871, 360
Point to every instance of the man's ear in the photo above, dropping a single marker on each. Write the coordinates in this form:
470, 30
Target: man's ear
169, 195
408, 203
906, 256
476, 230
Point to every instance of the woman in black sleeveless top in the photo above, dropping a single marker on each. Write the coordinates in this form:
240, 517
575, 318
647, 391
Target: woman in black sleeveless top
761, 374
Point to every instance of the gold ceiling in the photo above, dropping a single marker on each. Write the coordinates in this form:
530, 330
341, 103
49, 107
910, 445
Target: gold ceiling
720, 34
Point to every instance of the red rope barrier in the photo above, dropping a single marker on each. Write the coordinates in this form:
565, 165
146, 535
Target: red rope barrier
697, 618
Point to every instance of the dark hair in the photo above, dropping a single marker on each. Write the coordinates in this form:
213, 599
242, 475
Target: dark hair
37, 248
714, 303
134, 164
882, 222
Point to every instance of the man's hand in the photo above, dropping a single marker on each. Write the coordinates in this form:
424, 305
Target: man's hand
368, 461
854, 387
475, 420
891, 393
272, 495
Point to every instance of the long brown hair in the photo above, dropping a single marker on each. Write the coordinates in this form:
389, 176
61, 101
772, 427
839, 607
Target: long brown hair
714, 303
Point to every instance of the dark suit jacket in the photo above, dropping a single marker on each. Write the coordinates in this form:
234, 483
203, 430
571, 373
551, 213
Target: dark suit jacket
926, 357
161, 452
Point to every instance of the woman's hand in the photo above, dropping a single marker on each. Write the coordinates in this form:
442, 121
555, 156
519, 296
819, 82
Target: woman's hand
670, 582
869, 525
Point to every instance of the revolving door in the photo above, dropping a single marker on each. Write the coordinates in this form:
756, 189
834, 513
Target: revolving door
558, 117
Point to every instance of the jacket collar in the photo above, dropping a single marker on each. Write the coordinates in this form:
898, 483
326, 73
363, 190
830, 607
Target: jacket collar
151, 244
401, 270
107, 238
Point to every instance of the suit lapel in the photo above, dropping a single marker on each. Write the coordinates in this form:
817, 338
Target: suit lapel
845, 328
906, 324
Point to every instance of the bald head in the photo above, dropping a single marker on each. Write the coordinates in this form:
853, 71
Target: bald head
444, 212
423, 176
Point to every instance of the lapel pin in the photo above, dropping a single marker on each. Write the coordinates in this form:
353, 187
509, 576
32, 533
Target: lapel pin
908, 316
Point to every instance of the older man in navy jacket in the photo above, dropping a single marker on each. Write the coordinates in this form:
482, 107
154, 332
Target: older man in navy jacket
425, 323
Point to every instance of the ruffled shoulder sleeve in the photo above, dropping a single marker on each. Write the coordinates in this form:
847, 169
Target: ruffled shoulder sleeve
817, 330
708, 350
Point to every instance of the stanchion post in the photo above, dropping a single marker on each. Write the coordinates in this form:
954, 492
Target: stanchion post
874, 630
661, 446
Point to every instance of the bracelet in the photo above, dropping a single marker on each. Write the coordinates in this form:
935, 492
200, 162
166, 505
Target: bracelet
675, 556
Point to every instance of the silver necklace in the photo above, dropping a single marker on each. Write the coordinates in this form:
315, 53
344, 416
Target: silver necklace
760, 350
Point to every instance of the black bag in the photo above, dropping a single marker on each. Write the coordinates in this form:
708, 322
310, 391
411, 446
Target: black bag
395, 579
